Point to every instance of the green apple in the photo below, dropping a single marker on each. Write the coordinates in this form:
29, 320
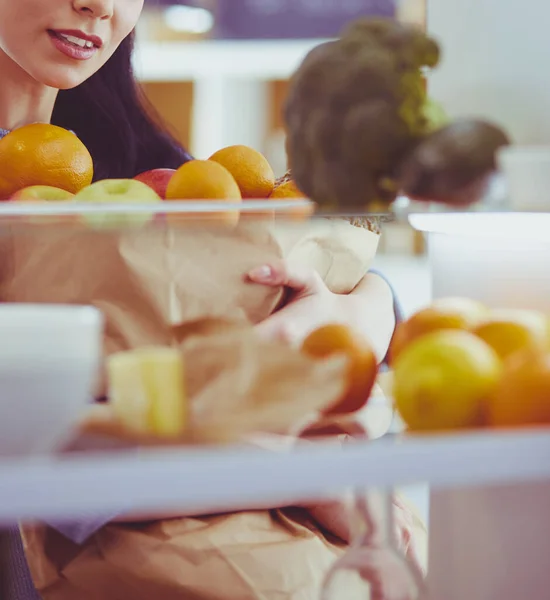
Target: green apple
41, 193
118, 191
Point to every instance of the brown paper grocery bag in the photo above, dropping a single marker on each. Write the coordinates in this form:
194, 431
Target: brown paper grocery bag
339, 251
148, 280
263, 555
150, 284
145, 281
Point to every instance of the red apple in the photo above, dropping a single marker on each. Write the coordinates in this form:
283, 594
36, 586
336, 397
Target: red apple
157, 179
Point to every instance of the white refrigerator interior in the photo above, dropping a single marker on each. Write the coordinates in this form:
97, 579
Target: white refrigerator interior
494, 62
492, 542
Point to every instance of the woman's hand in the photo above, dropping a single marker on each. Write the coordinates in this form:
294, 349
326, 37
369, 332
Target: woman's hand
368, 309
310, 303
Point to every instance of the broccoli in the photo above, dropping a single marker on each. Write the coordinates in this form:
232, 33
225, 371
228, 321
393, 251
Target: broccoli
356, 108
358, 118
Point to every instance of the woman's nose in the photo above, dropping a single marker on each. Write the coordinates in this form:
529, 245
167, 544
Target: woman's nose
98, 9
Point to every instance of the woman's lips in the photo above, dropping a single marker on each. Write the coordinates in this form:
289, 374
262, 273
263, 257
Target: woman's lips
73, 46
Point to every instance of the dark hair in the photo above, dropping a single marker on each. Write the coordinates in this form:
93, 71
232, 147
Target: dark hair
110, 115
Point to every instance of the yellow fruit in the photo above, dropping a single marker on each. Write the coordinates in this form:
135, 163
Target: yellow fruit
508, 331
202, 180
471, 309
523, 395
45, 155
118, 191
250, 168
339, 339
147, 390
205, 180
288, 191
446, 313
42, 193
443, 380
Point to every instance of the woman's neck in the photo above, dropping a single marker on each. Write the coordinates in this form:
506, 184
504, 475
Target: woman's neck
22, 99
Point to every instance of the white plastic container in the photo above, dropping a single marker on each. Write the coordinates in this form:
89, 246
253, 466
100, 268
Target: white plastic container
526, 170
501, 259
49, 358
490, 542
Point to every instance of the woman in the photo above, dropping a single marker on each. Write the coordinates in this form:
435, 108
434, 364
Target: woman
49, 77
68, 62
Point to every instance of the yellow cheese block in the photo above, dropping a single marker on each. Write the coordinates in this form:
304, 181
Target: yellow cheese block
147, 390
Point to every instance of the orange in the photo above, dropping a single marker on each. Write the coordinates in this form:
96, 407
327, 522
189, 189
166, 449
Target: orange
205, 180
446, 313
289, 191
330, 340
286, 191
42, 154
250, 168
508, 331
443, 381
523, 395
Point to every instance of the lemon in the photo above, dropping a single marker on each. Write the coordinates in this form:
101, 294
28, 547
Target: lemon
470, 310
508, 331
444, 313
443, 379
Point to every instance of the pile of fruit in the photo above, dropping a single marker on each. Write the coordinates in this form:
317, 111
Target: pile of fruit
157, 377
458, 365
42, 162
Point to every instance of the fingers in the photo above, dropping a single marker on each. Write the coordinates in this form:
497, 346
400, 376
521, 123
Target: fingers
298, 278
276, 330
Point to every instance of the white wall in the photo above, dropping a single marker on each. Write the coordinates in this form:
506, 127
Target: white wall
496, 62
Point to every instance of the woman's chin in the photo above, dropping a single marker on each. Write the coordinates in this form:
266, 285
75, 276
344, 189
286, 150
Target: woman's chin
63, 79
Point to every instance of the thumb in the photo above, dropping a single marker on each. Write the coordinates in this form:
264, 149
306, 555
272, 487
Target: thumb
301, 279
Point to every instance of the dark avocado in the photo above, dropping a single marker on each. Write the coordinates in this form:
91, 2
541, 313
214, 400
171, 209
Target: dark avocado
453, 164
